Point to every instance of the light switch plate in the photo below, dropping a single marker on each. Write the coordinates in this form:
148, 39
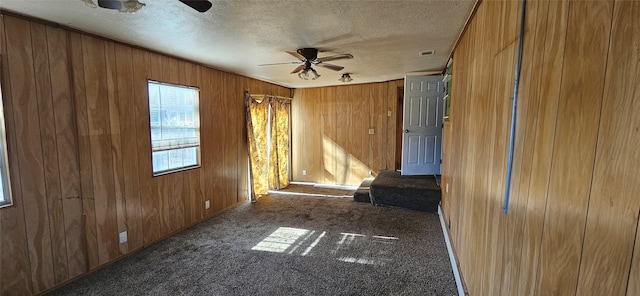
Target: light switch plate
372, 131
207, 204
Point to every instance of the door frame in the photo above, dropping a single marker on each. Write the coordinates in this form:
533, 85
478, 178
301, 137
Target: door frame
399, 123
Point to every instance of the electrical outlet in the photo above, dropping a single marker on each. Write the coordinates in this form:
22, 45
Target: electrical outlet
207, 204
304, 172
372, 131
389, 113
123, 237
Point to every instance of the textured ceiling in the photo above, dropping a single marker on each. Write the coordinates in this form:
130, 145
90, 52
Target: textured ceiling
384, 37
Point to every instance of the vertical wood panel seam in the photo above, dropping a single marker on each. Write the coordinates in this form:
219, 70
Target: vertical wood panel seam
46, 185
90, 171
555, 129
134, 131
138, 178
55, 128
116, 99
595, 154
635, 241
42, 173
535, 131
112, 188
518, 224
26, 236
72, 93
59, 173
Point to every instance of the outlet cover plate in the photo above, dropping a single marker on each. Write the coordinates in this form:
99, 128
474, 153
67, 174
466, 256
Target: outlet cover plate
123, 237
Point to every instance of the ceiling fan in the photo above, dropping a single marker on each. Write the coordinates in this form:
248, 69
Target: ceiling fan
135, 5
309, 57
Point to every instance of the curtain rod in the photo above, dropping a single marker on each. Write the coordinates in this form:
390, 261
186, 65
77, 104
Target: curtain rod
277, 97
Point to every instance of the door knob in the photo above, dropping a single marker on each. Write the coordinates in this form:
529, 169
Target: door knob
406, 131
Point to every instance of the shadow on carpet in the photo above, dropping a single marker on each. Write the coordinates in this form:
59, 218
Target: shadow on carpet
288, 245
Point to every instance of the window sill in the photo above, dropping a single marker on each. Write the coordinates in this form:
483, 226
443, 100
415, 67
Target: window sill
158, 174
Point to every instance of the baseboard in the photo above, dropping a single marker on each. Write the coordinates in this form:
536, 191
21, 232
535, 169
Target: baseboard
343, 187
452, 257
322, 185
302, 183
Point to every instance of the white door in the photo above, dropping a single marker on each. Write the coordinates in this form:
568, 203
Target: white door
422, 125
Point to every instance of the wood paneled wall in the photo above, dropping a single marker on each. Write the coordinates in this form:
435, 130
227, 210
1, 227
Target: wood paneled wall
77, 121
573, 218
330, 132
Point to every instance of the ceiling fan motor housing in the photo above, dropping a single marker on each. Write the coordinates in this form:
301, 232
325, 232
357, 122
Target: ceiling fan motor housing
309, 53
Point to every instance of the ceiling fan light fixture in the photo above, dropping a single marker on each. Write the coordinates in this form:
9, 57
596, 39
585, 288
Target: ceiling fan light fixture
315, 74
90, 3
119, 5
345, 78
304, 74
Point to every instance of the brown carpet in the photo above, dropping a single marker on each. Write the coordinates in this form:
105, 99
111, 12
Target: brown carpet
289, 244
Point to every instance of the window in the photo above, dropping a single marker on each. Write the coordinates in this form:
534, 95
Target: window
175, 127
5, 186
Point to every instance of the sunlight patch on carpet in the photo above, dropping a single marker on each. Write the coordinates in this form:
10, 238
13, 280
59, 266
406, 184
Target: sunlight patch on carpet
360, 261
280, 240
345, 247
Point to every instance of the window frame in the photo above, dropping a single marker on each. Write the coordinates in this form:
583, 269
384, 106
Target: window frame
198, 164
5, 179
447, 87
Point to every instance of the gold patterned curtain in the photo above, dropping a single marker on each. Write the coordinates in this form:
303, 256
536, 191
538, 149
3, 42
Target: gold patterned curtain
257, 123
268, 135
279, 150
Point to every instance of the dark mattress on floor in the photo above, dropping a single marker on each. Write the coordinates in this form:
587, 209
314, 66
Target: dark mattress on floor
420, 193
